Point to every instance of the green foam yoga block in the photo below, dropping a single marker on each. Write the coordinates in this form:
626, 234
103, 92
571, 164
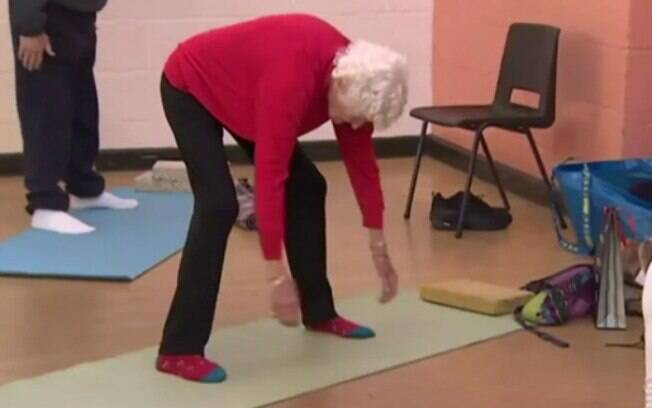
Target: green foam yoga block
475, 296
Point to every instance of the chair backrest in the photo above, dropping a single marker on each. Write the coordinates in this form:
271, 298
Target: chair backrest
530, 64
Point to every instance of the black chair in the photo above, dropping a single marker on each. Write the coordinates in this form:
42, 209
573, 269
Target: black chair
529, 64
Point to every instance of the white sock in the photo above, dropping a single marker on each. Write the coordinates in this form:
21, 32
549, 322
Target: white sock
105, 200
59, 221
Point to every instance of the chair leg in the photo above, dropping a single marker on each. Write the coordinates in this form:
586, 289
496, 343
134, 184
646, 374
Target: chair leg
469, 182
415, 173
544, 173
494, 171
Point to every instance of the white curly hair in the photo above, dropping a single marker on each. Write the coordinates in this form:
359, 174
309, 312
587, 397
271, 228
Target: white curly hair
368, 85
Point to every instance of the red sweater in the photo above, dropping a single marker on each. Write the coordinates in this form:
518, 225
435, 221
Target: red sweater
267, 80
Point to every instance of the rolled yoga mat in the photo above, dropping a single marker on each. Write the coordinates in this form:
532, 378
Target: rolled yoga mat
124, 245
267, 362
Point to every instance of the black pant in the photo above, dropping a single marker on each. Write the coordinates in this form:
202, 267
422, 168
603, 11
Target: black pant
58, 111
200, 139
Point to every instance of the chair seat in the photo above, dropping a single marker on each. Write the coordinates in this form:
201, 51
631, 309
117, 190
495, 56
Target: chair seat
473, 116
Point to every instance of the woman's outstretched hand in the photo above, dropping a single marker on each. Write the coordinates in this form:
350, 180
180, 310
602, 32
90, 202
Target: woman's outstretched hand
384, 266
284, 299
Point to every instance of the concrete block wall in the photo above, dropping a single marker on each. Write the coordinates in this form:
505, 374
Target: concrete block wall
135, 37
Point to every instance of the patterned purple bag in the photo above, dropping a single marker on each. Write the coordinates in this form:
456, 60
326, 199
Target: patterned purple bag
577, 285
569, 294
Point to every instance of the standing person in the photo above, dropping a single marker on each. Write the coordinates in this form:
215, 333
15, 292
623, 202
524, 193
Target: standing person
270, 81
647, 335
54, 42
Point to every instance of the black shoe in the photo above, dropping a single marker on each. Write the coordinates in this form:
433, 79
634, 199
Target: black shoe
444, 214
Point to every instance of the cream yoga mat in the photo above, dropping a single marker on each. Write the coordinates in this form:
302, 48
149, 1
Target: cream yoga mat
266, 362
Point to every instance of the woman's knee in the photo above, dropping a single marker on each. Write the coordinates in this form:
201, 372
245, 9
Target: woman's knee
311, 184
219, 209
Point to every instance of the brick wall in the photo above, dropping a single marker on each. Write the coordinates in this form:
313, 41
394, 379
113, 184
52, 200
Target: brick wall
135, 38
638, 101
605, 59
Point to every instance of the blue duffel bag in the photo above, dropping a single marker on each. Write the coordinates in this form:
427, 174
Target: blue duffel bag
586, 190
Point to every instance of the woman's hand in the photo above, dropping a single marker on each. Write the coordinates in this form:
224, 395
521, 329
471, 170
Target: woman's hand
284, 299
384, 267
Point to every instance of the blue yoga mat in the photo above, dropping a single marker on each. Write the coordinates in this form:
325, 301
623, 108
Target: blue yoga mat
125, 245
